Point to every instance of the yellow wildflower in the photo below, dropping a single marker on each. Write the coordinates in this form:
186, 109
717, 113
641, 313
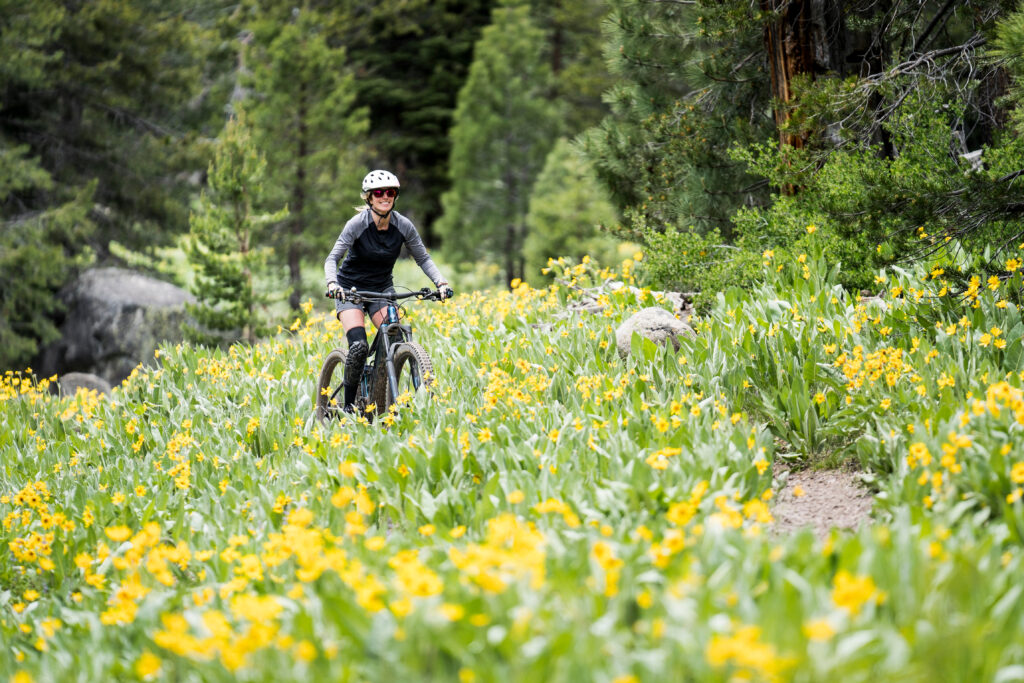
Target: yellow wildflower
818, 629
147, 665
853, 592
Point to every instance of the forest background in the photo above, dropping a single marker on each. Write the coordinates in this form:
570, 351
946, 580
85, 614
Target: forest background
709, 133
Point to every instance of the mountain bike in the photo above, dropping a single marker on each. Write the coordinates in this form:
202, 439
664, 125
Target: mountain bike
396, 366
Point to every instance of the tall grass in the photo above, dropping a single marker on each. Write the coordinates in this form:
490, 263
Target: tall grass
549, 513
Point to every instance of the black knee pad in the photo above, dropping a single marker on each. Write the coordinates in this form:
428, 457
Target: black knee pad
357, 350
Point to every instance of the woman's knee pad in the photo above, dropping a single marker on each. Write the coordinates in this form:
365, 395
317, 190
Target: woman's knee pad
357, 350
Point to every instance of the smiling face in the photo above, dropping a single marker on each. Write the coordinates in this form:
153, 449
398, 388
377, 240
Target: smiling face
383, 200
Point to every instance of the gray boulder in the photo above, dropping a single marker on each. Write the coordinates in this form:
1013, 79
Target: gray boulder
679, 302
116, 318
652, 323
73, 381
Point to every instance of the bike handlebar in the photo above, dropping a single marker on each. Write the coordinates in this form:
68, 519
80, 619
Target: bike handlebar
360, 296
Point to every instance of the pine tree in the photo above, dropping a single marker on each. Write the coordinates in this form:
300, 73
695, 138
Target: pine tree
575, 50
304, 116
101, 105
831, 104
907, 130
412, 57
503, 128
37, 251
568, 209
224, 247
43, 226
692, 84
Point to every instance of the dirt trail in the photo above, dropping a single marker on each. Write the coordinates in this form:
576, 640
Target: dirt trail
821, 499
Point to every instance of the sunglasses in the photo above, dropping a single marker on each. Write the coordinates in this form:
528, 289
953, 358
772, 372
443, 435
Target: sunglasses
386, 192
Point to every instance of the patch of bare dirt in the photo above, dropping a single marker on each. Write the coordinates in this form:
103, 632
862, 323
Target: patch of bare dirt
820, 499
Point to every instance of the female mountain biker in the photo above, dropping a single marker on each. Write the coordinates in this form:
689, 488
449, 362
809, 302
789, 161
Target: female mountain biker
371, 242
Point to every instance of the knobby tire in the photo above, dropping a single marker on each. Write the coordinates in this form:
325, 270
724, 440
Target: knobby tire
413, 369
379, 390
331, 381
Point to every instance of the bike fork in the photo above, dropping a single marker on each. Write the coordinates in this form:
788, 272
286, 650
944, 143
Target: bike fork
366, 380
392, 378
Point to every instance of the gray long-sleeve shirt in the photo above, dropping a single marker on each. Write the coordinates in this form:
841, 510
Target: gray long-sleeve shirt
370, 254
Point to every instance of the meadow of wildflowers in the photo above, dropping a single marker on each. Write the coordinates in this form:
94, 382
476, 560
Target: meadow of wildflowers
550, 512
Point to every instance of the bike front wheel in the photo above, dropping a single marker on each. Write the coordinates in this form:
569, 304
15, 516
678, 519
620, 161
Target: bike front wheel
414, 371
330, 392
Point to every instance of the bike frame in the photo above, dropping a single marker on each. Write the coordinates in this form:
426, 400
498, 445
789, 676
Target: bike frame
393, 333
389, 335
380, 379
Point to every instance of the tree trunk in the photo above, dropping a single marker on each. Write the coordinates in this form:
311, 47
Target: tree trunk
510, 255
557, 41
873, 60
790, 50
802, 38
512, 242
298, 204
243, 211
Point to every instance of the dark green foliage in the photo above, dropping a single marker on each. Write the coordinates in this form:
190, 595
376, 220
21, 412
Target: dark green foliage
225, 245
302, 104
412, 58
898, 96
569, 214
107, 109
871, 210
37, 252
1008, 51
43, 226
504, 127
889, 167
574, 49
96, 102
689, 89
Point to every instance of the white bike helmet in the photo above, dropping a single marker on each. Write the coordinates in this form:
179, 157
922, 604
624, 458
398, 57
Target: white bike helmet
379, 179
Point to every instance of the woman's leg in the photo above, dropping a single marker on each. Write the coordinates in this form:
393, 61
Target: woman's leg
378, 310
378, 317
353, 321
352, 317
355, 330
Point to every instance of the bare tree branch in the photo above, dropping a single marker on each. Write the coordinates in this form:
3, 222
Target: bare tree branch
923, 39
